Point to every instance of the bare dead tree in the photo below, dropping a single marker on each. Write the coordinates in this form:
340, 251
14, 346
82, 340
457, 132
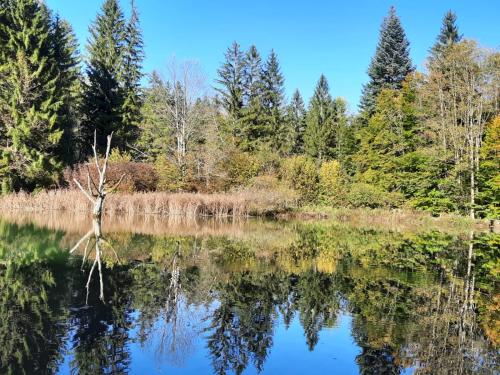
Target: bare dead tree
96, 193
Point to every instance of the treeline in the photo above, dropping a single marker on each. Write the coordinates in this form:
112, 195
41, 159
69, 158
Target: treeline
424, 140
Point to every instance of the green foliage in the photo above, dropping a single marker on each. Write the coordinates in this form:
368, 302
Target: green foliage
301, 174
391, 63
241, 167
489, 171
367, 195
319, 136
30, 106
332, 183
111, 93
230, 81
296, 118
169, 175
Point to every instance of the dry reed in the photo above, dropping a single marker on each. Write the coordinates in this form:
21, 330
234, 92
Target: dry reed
188, 205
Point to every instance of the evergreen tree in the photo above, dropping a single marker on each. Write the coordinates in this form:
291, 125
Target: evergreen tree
296, 117
231, 81
391, 63
252, 76
28, 99
253, 120
345, 141
319, 136
133, 57
156, 138
66, 55
272, 101
449, 33
104, 94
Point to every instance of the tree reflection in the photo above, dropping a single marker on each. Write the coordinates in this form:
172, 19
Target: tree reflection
418, 301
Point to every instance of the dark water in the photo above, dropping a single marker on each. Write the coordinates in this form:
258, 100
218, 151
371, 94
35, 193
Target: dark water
248, 297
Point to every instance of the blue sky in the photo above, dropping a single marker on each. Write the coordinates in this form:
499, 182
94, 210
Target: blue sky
337, 38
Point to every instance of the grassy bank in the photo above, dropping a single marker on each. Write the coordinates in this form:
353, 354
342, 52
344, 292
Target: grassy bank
394, 219
239, 204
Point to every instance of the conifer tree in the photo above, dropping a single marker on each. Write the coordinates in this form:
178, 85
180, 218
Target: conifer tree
296, 117
449, 33
133, 57
319, 136
66, 56
253, 120
231, 81
252, 76
104, 94
28, 99
156, 137
391, 63
272, 101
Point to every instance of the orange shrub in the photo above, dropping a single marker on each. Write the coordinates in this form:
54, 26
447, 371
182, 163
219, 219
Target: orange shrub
138, 176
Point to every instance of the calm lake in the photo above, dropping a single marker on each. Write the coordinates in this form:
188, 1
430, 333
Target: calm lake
247, 296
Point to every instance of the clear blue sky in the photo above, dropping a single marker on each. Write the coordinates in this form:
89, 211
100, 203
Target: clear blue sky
336, 38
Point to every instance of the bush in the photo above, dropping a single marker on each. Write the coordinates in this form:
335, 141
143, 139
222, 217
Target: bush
169, 175
299, 173
365, 195
332, 183
137, 176
434, 202
240, 168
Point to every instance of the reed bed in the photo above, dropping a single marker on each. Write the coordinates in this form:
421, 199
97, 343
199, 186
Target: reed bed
190, 205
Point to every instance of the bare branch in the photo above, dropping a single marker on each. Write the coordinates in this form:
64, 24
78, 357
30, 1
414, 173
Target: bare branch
83, 191
81, 240
112, 189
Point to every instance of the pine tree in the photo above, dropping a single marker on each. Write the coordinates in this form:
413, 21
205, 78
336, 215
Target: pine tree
231, 81
449, 34
296, 117
391, 63
28, 99
319, 136
104, 94
66, 55
272, 101
133, 57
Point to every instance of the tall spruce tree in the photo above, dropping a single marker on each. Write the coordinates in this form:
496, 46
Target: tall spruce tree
296, 117
231, 81
252, 76
133, 57
29, 102
272, 101
319, 136
391, 63
66, 56
104, 94
253, 118
449, 34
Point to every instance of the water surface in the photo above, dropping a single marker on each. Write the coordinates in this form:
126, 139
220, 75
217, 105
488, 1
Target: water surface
246, 297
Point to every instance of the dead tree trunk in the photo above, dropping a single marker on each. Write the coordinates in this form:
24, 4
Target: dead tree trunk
96, 194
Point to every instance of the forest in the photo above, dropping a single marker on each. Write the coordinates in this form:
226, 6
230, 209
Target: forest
426, 140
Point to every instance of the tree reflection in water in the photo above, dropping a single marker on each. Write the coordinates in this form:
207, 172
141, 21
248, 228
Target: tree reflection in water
421, 301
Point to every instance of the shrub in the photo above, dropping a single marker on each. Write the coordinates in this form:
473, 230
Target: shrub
332, 183
137, 176
300, 173
365, 195
240, 168
119, 157
435, 202
169, 175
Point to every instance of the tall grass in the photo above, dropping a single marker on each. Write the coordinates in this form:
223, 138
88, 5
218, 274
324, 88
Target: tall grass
168, 204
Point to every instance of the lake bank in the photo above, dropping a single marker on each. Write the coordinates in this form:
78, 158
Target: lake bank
178, 207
